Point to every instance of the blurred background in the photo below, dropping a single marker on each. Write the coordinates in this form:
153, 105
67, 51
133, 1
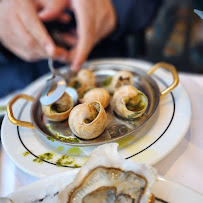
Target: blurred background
175, 36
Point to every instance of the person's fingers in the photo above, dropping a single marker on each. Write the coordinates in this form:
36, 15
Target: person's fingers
85, 33
92, 26
80, 53
51, 11
64, 18
24, 34
36, 28
62, 55
69, 39
28, 48
47, 43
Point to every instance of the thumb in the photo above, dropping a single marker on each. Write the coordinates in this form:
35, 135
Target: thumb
49, 13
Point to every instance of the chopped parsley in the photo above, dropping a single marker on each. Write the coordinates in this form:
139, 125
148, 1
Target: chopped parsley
42, 157
106, 81
26, 153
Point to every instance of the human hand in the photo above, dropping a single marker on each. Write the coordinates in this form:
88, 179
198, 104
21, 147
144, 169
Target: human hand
95, 20
53, 10
23, 33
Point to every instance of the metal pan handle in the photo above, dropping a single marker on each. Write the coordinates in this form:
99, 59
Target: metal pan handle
173, 71
10, 111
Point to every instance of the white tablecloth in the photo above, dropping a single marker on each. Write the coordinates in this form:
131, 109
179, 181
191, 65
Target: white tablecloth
184, 164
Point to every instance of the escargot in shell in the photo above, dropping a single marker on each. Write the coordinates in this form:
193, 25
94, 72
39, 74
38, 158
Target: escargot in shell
59, 110
128, 102
122, 78
106, 177
87, 77
88, 120
111, 83
77, 84
97, 94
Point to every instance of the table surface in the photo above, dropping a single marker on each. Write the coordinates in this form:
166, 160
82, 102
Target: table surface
184, 164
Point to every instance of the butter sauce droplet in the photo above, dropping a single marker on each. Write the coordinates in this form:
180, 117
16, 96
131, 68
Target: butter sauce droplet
60, 148
74, 151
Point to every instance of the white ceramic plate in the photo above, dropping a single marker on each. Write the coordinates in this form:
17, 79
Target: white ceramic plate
168, 126
47, 189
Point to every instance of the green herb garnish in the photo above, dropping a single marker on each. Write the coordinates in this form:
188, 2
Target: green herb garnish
65, 139
75, 84
73, 139
51, 139
106, 81
64, 161
82, 94
42, 157
26, 153
132, 107
76, 166
67, 132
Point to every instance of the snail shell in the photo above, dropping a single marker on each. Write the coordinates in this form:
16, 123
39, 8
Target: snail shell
83, 92
97, 94
87, 77
59, 110
88, 120
121, 78
128, 102
77, 84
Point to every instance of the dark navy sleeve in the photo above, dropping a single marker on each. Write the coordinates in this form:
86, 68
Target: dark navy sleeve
4, 54
134, 15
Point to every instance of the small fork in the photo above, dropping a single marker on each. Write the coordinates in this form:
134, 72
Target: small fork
56, 84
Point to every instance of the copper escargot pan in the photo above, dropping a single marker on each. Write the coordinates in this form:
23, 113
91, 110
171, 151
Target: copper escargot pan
116, 128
